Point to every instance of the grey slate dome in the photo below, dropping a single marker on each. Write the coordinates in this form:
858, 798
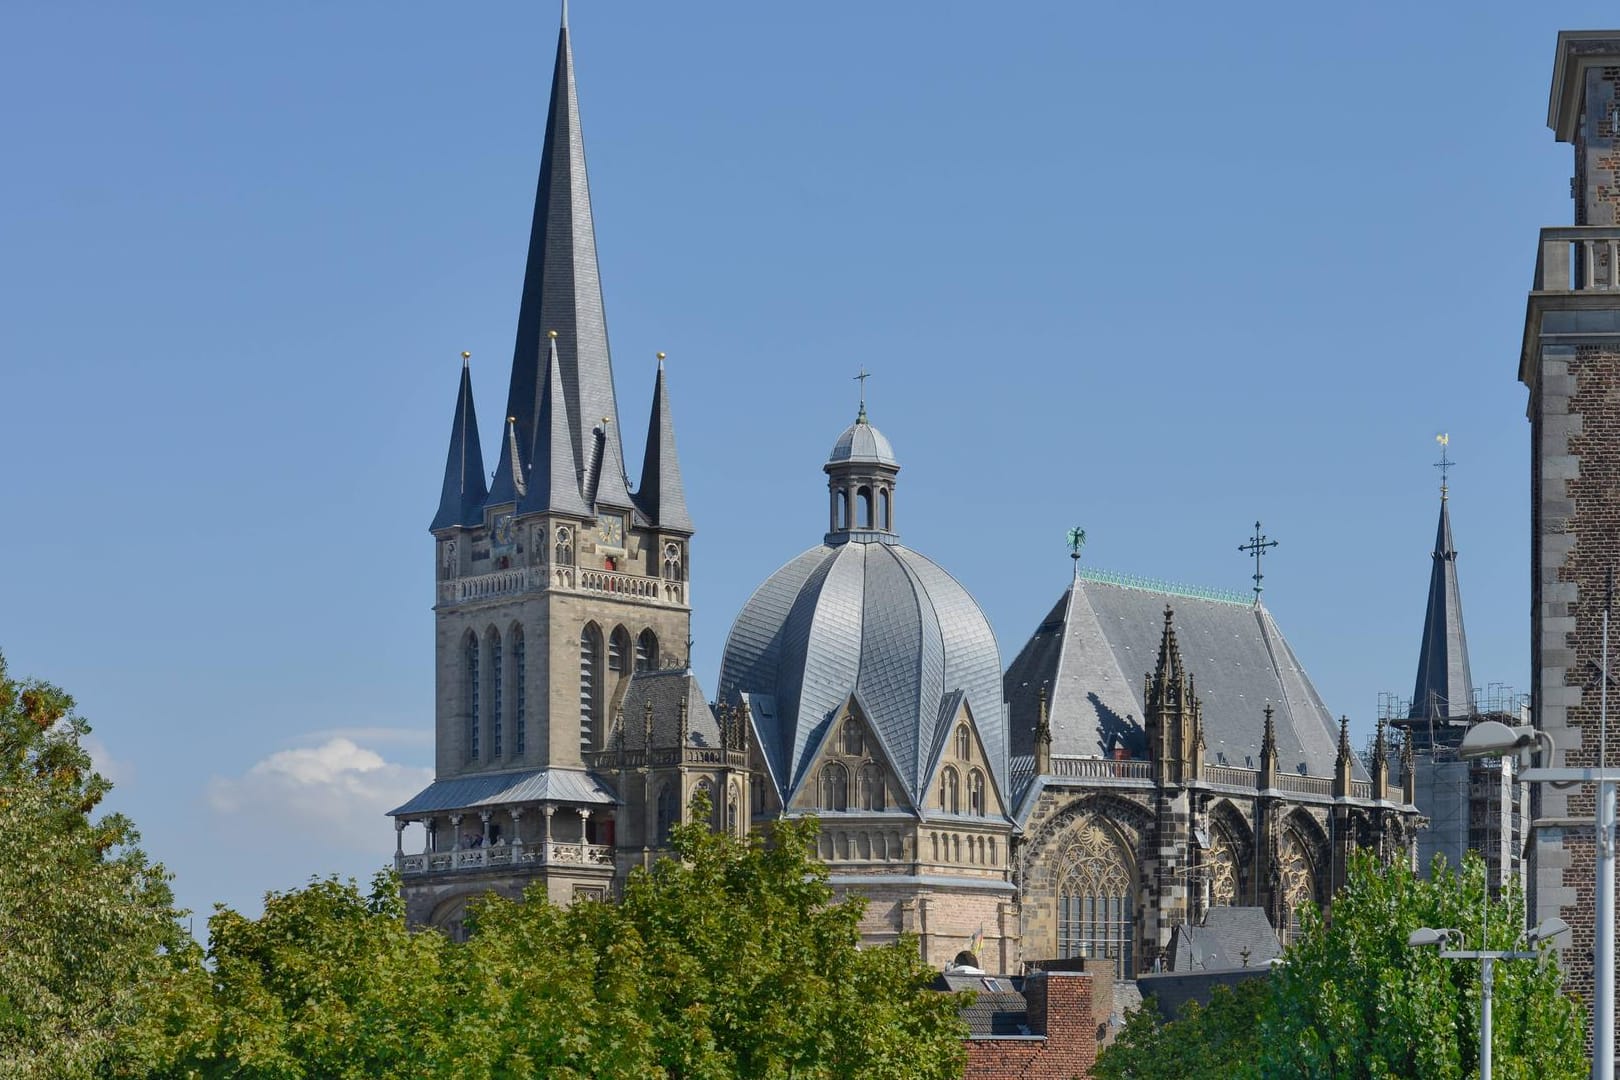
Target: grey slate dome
872, 619
862, 443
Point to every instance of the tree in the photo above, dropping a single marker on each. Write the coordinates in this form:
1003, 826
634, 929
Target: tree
85, 919
728, 960
1354, 1000
1217, 1042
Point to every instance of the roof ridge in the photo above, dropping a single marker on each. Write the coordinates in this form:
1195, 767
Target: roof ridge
1168, 588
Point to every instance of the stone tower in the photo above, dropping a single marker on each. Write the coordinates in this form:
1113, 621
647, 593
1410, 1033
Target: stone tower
555, 586
1570, 362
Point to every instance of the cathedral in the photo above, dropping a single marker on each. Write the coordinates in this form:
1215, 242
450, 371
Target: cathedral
1147, 755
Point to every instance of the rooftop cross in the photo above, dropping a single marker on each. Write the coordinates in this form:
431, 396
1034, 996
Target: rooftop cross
861, 378
1445, 463
1256, 547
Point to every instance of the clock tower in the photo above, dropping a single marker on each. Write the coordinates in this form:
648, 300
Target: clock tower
560, 594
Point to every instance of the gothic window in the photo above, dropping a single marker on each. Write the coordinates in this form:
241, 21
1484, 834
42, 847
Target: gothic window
1096, 909
520, 691
590, 690
1297, 882
733, 800
964, 743
883, 509
863, 499
950, 791
497, 692
672, 562
565, 548
666, 812
871, 787
853, 744
618, 650
756, 794
976, 793
646, 651
706, 791
1223, 870
470, 677
834, 786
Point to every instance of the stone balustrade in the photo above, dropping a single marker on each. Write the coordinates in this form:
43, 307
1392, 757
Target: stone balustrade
502, 583
498, 855
1135, 769
1578, 258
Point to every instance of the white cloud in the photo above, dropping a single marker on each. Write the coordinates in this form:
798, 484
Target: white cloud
118, 770
332, 796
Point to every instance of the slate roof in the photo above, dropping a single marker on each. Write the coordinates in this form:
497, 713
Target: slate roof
661, 495
1100, 639
461, 502
1230, 938
562, 291
1444, 687
862, 443
553, 486
506, 788
664, 690
876, 620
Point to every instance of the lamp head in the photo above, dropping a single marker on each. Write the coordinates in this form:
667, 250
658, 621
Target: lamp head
1424, 936
1547, 929
1492, 738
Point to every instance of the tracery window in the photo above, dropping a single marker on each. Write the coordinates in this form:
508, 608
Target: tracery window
705, 790
964, 743
470, 677
590, 691
565, 548
853, 744
520, 691
1296, 882
950, 791
646, 650
1096, 904
497, 691
834, 786
871, 787
733, 799
976, 793
666, 812
672, 562
1223, 870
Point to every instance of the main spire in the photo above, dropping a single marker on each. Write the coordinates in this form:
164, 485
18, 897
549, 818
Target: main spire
461, 502
662, 495
562, 291
1444, 686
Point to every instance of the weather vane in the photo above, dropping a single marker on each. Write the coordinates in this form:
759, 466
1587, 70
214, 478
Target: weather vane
1445, 463
1077, 540
1256, 547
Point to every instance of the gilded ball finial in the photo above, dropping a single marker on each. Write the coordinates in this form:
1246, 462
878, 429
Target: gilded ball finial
465, 355
552, 334
660, 356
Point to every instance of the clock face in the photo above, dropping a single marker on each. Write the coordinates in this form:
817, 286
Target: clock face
504, 534
610, 530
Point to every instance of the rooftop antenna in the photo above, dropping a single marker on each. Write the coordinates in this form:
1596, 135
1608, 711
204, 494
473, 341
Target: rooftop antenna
1445, 463
1256, 547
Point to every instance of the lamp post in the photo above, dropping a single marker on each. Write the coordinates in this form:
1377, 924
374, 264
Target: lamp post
1424, 936
1492, 738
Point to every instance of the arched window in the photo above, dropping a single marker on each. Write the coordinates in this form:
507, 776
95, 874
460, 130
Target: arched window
834, 786
976, 793
590, 689
733, 802
618, 650
666, 812
705, 790
565, 548
1297, 882
871, 787
964, 743
756, 795
950, 791
884, 518
854, 745
843, 508
520, 691
1096, 904
646, 651
1223, 869
469, 675
863, 498
497, 689
672, 562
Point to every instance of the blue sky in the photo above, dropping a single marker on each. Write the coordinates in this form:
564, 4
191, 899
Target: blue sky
1155, 270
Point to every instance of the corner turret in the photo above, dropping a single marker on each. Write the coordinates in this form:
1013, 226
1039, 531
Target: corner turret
461, 502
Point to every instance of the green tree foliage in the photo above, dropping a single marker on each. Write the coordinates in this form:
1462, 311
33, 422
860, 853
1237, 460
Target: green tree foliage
84, 918
728, 961
1220, 1041
1354, 1000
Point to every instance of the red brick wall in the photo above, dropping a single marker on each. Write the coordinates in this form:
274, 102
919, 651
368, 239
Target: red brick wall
1060, 1007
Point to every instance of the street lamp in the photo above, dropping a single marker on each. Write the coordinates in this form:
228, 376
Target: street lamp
1491, 738
1424, 936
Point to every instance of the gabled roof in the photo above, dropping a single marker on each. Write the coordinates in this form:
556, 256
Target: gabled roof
461, 502
665, 691
662, 495
1444, 685
562, 291
1230, 938
1099, 641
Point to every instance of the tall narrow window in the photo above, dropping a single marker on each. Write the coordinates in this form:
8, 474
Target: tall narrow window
497, 691
834, 787
520, 692
565, 548
646, 651
883, 509
871, 787
843, 508
863, 500
590, 690
666, 812
672, 562
976, 793
733, 802
618, 650
950, 791
964, 743
470, 675
1298, 882
853, 744
1096, 906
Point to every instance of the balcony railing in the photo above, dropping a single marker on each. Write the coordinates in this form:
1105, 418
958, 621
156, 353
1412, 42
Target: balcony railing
576, 579
525, 855
1578, 258
1100, 768
1089, 768
691, 755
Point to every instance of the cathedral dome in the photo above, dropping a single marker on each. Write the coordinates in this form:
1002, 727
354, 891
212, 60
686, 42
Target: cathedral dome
869, 619
861, 443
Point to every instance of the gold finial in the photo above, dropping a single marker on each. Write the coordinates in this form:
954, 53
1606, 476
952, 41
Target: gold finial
660, 357
465, 355
552, 334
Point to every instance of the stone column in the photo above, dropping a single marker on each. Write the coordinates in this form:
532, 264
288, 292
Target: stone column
484, 816
455, 829
399, 841
517, 833
545, 841
584, 822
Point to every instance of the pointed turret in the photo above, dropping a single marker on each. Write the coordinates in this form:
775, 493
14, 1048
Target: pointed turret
1268, 751
1343, 767
562, 291
553, 484
662, 496
1444, 686
462, 500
